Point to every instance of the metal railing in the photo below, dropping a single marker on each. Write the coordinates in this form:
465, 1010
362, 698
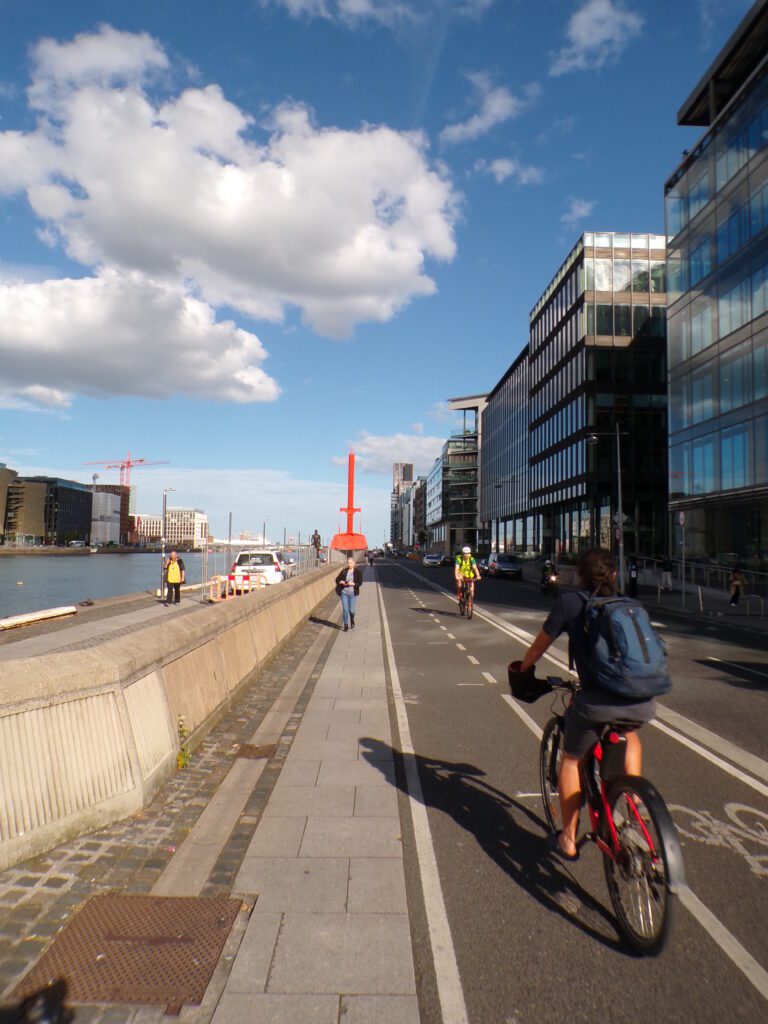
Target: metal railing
703, 576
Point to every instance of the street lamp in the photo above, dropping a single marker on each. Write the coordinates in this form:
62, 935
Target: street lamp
593, 439
166, 492
264, 532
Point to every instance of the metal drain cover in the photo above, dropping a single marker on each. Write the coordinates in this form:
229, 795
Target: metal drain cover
250, 751
137, 949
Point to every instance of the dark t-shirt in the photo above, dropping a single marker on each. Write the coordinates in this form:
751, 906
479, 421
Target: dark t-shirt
568, 615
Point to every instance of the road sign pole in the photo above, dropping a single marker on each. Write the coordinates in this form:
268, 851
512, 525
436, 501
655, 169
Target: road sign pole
681, 520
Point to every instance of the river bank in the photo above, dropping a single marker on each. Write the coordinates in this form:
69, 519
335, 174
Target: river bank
8, 552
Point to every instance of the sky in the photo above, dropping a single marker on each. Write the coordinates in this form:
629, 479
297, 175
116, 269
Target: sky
247, 236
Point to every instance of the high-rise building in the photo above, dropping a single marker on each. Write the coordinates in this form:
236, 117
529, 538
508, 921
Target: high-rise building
7, 476
25, 513
105, 518
595, 360
186, 528
717, 217
452, 483
402, 477
53, 511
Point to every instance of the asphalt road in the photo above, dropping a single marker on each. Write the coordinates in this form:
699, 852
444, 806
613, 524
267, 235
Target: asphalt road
536, 941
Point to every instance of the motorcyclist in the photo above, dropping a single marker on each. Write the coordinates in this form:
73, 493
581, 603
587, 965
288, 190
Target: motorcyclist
548, 576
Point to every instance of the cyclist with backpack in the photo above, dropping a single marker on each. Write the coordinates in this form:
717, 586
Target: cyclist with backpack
622, 668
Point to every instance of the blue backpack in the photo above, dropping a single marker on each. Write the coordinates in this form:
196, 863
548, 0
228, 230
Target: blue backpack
628, 658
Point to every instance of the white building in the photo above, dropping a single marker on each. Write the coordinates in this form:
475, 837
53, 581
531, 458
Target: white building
105, 519
186, 528
148, 529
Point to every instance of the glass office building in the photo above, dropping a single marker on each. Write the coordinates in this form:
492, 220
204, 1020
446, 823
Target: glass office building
717, 215
452, 484
596, 358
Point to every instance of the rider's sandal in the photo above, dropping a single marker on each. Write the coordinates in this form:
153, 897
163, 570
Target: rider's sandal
554, 847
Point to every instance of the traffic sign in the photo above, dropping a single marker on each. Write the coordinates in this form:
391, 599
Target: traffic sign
617, 531
681, 518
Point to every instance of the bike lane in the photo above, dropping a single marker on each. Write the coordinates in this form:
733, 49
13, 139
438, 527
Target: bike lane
535, 940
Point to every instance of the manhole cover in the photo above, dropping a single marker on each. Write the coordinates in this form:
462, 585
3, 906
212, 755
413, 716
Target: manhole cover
249, 750
137, 949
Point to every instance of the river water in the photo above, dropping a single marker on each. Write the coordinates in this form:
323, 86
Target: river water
49, 581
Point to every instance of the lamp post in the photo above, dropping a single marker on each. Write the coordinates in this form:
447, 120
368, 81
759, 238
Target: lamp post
166, 492
264, 532
592, 439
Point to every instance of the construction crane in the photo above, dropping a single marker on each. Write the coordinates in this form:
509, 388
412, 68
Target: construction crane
126, 465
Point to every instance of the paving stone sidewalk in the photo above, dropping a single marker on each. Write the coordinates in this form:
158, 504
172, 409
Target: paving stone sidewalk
38, 897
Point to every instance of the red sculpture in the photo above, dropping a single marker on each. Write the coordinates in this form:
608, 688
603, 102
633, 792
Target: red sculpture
350, 541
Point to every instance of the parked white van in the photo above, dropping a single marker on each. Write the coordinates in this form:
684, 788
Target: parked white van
250, 565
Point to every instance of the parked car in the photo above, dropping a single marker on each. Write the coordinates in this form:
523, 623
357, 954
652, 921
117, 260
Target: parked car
253, 564
446, 560
482, 565
431, 561
502, 565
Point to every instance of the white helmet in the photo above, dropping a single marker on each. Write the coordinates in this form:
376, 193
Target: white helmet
466, 550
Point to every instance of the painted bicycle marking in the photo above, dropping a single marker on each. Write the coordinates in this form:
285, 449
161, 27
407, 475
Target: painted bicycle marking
746, 830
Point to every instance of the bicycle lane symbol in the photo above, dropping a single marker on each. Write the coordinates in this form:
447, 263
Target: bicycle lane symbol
746, 833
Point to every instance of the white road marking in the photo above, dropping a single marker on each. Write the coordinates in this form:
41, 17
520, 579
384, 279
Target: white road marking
488, 677
472, 659
660, 625
451, 636
750, 762
449, 990
713, 758
742, 668
679, 721
461, 647
727, 942
444, 628
469, 684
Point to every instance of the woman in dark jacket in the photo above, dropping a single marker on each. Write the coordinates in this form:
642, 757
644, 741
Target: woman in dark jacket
348, 584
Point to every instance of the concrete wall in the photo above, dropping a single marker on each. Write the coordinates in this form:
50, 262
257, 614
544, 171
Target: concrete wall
88, 737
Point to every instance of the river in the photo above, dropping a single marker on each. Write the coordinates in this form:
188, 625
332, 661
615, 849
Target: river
51, 581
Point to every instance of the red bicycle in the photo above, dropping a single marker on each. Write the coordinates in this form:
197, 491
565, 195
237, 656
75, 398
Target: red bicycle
466, 599
628, 820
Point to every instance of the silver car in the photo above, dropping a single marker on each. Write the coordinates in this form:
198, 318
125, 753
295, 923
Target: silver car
503, 565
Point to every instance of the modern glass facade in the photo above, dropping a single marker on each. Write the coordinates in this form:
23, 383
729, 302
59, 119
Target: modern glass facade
452, 484
596, 358
717, 213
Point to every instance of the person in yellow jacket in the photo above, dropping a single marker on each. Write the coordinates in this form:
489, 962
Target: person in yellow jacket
175, 575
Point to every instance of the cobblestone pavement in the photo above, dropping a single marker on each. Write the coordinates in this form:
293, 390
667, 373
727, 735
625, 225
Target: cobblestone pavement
37, 897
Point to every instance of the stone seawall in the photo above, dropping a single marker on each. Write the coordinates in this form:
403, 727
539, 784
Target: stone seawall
88, 736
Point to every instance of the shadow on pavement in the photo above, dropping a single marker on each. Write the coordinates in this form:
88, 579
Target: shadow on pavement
43, 1007
740, 674
324, 622
488, 814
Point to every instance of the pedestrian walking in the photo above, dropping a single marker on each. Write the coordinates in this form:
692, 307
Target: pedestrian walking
633, 574
737, 585
348, 584
666, 574
175, 575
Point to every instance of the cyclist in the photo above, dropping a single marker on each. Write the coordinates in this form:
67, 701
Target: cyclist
465, 568
592, 706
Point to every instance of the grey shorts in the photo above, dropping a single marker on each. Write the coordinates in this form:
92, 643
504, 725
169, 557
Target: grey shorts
583, 727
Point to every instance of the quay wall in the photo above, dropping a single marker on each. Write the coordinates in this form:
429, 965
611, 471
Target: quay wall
88, 736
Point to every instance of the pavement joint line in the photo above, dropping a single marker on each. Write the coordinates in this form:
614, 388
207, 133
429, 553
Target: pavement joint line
727, 942
447, 978
741, 757
488, 677
472, 659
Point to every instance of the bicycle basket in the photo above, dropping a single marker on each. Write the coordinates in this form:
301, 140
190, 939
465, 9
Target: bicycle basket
525, 686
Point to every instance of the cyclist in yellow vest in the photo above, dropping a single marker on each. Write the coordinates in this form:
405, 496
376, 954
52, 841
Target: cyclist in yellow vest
174, 577
465, 568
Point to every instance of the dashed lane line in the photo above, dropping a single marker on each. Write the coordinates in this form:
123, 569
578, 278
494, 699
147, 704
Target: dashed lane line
488, 677
450, 636
686, 727
469, 684
447, 980
472, 659
727, 942
461, 647
741, 668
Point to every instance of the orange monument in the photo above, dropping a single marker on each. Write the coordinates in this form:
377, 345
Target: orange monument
350, 541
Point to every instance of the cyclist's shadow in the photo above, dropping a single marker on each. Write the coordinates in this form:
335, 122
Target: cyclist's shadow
488, 814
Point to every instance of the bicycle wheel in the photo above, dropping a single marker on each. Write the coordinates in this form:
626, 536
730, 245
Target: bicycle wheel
550, 755
648, 867
470, 604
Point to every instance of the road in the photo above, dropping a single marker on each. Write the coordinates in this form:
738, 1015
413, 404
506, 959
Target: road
535, 941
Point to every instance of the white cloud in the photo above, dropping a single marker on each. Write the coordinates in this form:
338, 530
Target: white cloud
376, 453
597, 34
384, 12
510, 167
179, 196
578, 210
496, 105
121, 333
560, 126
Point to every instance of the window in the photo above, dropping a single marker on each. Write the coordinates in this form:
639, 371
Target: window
621, 241
679, 328
731, 154
735, 378
679, 471
701, 326
735, 460
658, 322
698, 193
641, 321
641, 276
676, 213
733, 230
603, 241
622, 276
679, 404
759, 209
639, 241
760, 366
603, 275
603, 318
704, 470
703, 394
658, 276
760, 291
622, 322
734, 306
677, 276
701, 261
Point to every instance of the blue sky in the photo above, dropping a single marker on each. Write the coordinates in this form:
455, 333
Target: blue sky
244, 236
